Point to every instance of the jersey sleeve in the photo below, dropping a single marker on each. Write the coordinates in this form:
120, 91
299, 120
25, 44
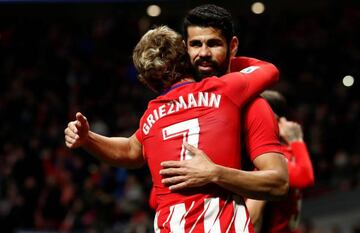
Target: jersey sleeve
301, 173
249, 82
261, 130
239, 63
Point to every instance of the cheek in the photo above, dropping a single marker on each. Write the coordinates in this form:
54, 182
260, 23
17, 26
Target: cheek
219, 56
192, 54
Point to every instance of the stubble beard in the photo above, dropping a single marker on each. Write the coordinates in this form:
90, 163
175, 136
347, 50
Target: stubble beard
218, 69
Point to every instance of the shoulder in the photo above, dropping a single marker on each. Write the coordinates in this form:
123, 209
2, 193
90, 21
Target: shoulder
258, 102
258, 112
258, 105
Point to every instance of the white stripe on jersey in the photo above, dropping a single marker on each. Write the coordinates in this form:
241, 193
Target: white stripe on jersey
156, 227
177, 222
211, 217
241, 221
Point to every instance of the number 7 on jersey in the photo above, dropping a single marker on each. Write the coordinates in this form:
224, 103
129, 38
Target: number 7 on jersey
189, 130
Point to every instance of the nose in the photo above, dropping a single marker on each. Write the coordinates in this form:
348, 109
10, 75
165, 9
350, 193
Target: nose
204, 51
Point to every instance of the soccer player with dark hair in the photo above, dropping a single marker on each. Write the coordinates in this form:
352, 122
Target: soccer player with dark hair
212, 46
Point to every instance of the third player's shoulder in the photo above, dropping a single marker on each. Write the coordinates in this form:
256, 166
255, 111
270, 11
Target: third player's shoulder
258, 107
258, 102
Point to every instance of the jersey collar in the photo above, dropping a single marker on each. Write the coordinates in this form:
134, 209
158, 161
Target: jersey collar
176, 85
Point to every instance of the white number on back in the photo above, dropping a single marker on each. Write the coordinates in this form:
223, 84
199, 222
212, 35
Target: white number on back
190, 133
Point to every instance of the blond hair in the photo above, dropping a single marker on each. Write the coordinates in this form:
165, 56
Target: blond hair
161, 59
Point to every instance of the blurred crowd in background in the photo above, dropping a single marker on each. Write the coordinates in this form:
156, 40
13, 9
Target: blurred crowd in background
55, 63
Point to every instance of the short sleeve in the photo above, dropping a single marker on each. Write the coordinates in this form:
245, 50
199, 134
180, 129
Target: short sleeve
261, 130
138, 135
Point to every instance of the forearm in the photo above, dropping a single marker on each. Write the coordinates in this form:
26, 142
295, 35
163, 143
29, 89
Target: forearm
241, 62
265, 185
301, 173
116, 151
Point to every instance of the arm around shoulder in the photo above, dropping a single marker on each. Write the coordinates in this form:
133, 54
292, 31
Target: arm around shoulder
270, 182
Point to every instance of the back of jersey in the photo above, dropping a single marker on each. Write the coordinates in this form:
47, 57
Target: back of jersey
204, 116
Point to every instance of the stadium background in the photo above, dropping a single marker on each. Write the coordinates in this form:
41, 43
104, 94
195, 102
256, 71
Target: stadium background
59, 57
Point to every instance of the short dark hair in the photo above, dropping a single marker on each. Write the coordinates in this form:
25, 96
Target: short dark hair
276, 101
210, 15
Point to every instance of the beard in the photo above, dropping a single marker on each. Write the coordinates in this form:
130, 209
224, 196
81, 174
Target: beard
216, 68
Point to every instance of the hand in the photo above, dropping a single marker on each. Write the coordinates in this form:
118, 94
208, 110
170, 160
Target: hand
290, 131
77, 131
194, 172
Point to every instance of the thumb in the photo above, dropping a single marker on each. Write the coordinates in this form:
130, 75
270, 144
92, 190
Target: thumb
282, 120
81, 118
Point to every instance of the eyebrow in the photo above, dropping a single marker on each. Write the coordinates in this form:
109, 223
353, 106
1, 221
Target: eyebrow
211, 40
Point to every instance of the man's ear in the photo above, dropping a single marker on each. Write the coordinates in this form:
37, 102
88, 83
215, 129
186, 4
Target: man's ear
234, 44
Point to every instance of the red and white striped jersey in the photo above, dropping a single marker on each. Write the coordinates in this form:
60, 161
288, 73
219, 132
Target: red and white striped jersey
205, 114
212, 215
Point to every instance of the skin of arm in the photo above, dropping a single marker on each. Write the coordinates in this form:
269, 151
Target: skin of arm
255, 208
269, 183
117, 151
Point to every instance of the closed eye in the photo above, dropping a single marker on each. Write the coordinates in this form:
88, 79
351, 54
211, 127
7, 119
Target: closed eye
195, 43
214, 43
